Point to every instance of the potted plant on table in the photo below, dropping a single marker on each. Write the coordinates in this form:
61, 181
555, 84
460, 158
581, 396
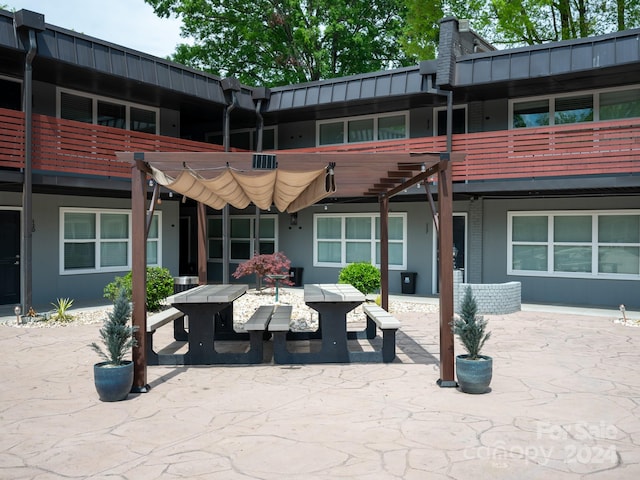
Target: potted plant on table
114, 377
474, 371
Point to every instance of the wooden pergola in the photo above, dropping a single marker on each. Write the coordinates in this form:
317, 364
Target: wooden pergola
380, 175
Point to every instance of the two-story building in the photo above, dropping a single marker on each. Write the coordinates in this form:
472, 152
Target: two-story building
548, 193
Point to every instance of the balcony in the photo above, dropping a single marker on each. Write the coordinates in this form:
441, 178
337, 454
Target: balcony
65, 146
598, 148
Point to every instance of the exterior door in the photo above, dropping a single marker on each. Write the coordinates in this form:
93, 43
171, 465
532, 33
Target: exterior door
459, 249
9, 257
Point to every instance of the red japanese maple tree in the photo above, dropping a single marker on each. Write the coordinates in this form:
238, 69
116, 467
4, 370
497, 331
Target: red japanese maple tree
266, 264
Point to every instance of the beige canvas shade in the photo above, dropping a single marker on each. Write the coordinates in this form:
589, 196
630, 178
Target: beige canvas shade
289, 191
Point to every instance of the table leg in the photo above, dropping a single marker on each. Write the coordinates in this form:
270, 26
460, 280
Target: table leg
332, 318
201, 331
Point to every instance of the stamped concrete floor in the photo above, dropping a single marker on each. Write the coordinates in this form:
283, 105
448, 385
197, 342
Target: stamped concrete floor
564, 405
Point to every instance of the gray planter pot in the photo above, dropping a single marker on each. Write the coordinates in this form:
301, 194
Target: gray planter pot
474, 376
113, 383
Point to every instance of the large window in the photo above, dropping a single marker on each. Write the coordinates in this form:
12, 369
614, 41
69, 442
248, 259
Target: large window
107, 112
242, 234
340, 239
363, 129
100, 241
571, 244
576, 108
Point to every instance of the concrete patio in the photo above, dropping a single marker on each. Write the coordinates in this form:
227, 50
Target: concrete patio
564, 405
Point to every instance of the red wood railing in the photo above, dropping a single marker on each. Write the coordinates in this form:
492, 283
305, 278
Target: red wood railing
611, 147
69, 146
11, 138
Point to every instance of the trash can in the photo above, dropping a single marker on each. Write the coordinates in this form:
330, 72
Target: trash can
408, 282
180, 284
295, 275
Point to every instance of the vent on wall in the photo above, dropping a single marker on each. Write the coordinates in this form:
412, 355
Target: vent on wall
264, 161
463, 25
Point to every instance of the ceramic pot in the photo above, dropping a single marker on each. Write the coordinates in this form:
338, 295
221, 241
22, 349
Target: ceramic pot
474, 376
113, 383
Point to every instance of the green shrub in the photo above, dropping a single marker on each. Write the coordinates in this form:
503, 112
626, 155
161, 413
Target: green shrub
62, 307
363, 276
159, 286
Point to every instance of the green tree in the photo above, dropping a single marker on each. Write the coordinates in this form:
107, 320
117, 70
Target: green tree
279, 42
517, 22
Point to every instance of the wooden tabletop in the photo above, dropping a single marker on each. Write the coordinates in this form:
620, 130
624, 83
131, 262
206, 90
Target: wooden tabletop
226, 293
332, 292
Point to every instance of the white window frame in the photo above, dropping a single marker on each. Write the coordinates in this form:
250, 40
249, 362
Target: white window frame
252, 135
345, 123
97, 241
550, 243
252, 240
373, 240
455, 107
552, 103
94, 100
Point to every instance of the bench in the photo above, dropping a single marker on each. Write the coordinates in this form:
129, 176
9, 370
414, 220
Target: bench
257, 328
380, 318
279, 327
154, 322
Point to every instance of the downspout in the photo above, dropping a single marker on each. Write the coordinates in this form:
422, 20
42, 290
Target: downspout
225, 211
449, 95
259, 126
26, 264
259, 131
227, 120
259, 94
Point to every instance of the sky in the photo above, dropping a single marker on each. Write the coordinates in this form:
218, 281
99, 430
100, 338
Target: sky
129, 23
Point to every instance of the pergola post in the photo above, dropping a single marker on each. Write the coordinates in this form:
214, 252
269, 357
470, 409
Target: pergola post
445, 262
384, 251
139, 272
202, 243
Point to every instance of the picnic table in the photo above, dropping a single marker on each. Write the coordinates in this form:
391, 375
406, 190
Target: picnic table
332, 302
202, 304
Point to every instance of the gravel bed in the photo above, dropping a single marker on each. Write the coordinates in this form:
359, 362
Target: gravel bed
303, 317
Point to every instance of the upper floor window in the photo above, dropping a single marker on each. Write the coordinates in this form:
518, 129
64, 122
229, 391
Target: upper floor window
96, 240
10, 93
340, 239
247, 138
575, 244
575, 108
107, 112
459, 120
367, 128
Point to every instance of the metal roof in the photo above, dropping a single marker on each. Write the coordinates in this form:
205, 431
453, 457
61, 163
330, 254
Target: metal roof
596, 62
62, 46
548, 60
370, 86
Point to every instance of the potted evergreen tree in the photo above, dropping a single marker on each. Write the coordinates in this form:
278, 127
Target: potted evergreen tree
114, 376
474, 371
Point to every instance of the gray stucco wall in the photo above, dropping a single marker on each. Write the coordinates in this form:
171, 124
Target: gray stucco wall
48, 284
297, 134
569, 291
297, 243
